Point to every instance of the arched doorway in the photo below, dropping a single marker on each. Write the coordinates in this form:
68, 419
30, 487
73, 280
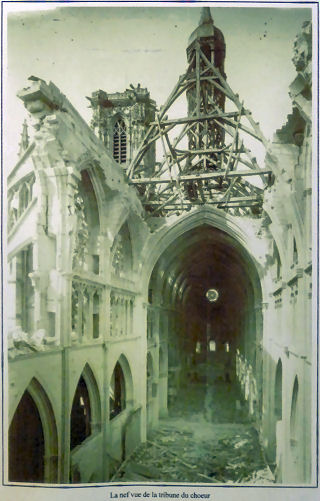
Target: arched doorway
85, 417
117, 392
33, 442
26, 439
80, 418
206, 285
124, 420
85, 422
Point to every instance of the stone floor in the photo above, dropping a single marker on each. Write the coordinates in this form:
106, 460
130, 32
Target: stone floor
207, 438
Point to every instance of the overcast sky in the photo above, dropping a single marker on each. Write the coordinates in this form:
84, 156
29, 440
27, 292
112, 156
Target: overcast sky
85, 48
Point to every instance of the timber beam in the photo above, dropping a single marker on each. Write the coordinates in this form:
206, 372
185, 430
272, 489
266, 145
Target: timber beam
212, 116
231, 202
201, 177
220, 205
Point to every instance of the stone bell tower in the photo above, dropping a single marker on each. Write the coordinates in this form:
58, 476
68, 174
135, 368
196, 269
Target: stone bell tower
121, 119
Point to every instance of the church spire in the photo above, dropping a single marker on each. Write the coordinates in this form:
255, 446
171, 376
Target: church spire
205, 17
205, 28
24, 143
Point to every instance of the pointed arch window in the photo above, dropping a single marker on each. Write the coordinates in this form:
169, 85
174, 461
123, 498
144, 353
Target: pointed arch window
33, 439
80, 418
120, 142
26, 443
117, 392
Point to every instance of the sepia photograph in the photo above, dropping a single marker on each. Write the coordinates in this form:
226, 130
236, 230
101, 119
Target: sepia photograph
160, 248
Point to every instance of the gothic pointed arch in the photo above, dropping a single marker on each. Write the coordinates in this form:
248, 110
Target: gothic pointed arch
121, 252
211, 218
33, 438
117, 391
120, 387
94, 395
80, 417
86, 208
85, 416
202, 251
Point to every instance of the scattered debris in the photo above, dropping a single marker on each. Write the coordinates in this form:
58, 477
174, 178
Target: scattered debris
206, 439
175, 455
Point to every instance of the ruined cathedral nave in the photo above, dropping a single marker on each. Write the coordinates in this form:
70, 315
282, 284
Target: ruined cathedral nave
159, 327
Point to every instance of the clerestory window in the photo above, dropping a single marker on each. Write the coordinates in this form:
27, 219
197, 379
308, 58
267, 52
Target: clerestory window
120, 142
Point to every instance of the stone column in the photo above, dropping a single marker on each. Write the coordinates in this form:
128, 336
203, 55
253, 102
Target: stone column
51, 468
12, 295
89, 312
140, 330
39, 281
65, 244
80, 315
105, 411
259, 359
64, 321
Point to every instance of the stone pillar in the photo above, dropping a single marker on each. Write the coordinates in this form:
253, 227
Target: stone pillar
39, 281
12, 294
155, 379
51, 468
308, 425
63, 322
64, 317
259, 360
308, 219
307, 315
65, 247
80, 315
163, 364
95, 426
105, 317
140, 330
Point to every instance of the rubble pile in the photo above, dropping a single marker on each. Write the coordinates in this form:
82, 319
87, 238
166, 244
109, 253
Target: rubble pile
208, 437
221, 454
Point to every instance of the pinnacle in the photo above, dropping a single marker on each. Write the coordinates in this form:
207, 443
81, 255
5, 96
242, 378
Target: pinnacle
24, 143
205, 16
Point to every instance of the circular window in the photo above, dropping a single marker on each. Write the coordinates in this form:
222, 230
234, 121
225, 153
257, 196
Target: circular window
212, 295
